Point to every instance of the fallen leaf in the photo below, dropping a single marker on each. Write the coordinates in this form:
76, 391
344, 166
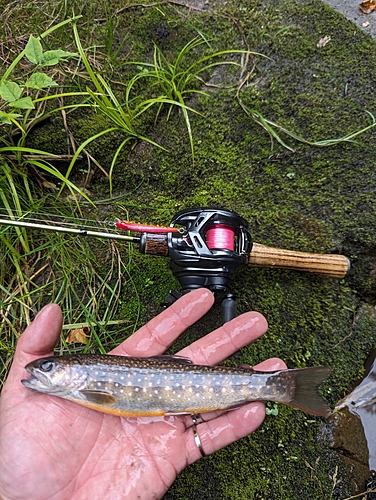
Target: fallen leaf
368, 6
323, 41
80, 335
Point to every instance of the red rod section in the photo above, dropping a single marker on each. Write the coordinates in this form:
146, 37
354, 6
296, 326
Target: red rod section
143, 228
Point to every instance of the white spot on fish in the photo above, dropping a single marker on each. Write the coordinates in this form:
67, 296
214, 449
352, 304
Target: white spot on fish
167, 388
150, 384
116, 384
99, 384
155, 392
138, 380
122, 377
137, 389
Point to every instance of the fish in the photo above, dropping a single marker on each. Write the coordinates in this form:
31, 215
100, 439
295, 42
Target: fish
170, 385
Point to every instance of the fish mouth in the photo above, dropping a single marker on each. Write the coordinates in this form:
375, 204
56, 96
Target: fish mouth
30, 382
37, 380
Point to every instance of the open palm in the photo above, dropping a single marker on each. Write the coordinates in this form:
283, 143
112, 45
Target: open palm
53, 449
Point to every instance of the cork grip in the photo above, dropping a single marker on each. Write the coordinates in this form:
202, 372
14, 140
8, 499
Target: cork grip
330, 265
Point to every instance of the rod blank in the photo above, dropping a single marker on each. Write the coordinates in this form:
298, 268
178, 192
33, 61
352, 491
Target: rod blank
70, 230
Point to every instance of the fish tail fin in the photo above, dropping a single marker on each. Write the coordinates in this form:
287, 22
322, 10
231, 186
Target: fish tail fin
306, 396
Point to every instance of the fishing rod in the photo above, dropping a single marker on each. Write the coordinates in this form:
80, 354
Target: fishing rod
206, 247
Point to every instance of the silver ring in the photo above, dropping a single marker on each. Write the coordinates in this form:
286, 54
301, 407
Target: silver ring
197, 419
198, 441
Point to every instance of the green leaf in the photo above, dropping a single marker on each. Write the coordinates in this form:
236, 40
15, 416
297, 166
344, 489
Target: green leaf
23, 103
33, 50
52, 57
10, 91
39, 81
5, 117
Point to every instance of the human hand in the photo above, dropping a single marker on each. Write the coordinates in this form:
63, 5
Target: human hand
53, 449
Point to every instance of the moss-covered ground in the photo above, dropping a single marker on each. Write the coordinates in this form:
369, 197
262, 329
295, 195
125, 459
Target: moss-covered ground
316, 199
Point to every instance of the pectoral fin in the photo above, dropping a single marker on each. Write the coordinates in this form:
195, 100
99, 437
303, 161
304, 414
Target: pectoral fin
98, 398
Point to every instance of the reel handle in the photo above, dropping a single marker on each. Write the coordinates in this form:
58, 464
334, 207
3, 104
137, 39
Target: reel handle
330, 265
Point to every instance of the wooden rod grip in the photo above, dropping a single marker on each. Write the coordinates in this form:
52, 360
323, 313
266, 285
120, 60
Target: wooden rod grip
331, 265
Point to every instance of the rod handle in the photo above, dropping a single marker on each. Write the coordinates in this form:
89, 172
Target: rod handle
330, 265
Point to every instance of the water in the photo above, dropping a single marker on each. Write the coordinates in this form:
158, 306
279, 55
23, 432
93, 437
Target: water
362, 403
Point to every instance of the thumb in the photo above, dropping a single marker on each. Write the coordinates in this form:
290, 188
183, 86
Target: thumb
37, 340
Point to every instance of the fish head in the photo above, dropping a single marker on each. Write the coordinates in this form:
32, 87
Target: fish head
54, 375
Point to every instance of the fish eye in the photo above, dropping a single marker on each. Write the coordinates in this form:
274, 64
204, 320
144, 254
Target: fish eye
46, 366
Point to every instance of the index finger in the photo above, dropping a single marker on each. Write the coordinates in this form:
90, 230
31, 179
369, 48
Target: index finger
160, 332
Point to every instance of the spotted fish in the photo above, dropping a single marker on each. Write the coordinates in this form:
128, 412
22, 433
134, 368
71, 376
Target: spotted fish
170, 385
